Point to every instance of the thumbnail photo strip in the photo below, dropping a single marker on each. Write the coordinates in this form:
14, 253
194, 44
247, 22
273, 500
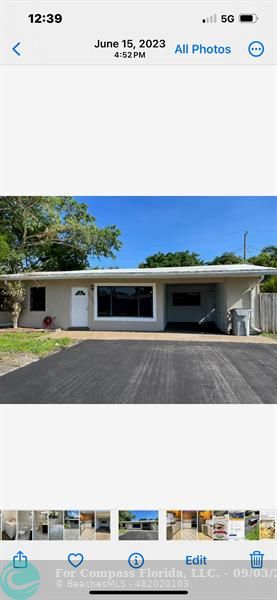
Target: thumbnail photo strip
221, 525
138, 525
56, 525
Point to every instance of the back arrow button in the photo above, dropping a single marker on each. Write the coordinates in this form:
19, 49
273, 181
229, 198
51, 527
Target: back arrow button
15, 49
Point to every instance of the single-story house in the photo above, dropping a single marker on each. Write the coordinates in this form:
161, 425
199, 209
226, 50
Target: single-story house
139, 299
145, 525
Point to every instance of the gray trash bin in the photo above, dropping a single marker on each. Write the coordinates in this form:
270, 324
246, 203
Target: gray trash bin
241, 321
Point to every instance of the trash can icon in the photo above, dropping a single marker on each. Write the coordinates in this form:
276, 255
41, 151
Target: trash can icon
257, 559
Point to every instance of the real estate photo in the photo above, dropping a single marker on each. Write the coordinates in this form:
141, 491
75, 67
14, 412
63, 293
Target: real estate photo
25, 525
56, 522
267, 525
41, 525
173, 525
236, 525
220, 525
138, 525
71, 525
252, 525
87, 525
189, 525
9, 525
154, 294
205, 525
181, 525
102, 525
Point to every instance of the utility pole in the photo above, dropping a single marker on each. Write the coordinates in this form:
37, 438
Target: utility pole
245, 245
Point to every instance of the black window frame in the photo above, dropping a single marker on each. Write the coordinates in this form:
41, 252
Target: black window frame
37, 305
185, 302
118, 307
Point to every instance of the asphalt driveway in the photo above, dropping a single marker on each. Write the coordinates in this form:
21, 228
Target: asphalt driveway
108, 372
140, 535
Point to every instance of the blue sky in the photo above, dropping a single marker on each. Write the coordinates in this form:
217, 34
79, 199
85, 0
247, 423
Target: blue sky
207, 225
145, 514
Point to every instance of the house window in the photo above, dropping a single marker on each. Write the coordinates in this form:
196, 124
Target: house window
125, 301
3, 301
37, 298
80, 293
186, 299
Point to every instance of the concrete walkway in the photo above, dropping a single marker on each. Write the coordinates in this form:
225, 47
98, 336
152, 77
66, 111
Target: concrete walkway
163, 336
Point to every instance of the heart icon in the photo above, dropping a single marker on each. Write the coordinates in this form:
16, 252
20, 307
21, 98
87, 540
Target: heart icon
75, 559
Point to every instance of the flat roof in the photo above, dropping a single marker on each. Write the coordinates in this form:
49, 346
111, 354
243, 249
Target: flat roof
240, 270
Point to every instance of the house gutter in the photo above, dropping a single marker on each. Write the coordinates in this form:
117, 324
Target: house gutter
139, 274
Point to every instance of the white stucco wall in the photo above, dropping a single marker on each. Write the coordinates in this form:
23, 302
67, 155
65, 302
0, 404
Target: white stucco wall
4, 318
221, 311
193, 314
58, 305
238, 294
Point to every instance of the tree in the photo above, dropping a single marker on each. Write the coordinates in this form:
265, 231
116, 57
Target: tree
14, 294
58, 258
4, 253
270, 285
172, 259
126, 515
267, 258
271, 251
227, 258
52, 233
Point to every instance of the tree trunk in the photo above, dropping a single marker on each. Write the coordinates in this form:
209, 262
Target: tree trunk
15, 322
15, 314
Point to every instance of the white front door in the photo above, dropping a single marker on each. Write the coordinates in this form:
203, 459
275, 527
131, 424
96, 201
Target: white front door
79, 307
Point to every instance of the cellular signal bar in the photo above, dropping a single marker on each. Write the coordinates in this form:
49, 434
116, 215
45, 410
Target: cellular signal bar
211, 19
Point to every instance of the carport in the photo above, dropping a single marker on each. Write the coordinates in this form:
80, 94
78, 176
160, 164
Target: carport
191, 307
139, 525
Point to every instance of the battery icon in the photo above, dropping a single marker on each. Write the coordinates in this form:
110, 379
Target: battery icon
248, 18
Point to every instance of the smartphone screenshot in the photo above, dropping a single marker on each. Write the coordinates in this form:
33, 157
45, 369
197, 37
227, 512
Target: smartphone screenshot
138, 299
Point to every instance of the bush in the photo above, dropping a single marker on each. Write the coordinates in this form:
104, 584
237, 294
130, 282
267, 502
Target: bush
270, 286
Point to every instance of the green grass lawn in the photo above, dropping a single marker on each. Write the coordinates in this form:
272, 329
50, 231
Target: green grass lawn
37, 343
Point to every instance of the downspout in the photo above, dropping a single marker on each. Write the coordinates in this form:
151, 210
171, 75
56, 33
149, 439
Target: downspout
252, 326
